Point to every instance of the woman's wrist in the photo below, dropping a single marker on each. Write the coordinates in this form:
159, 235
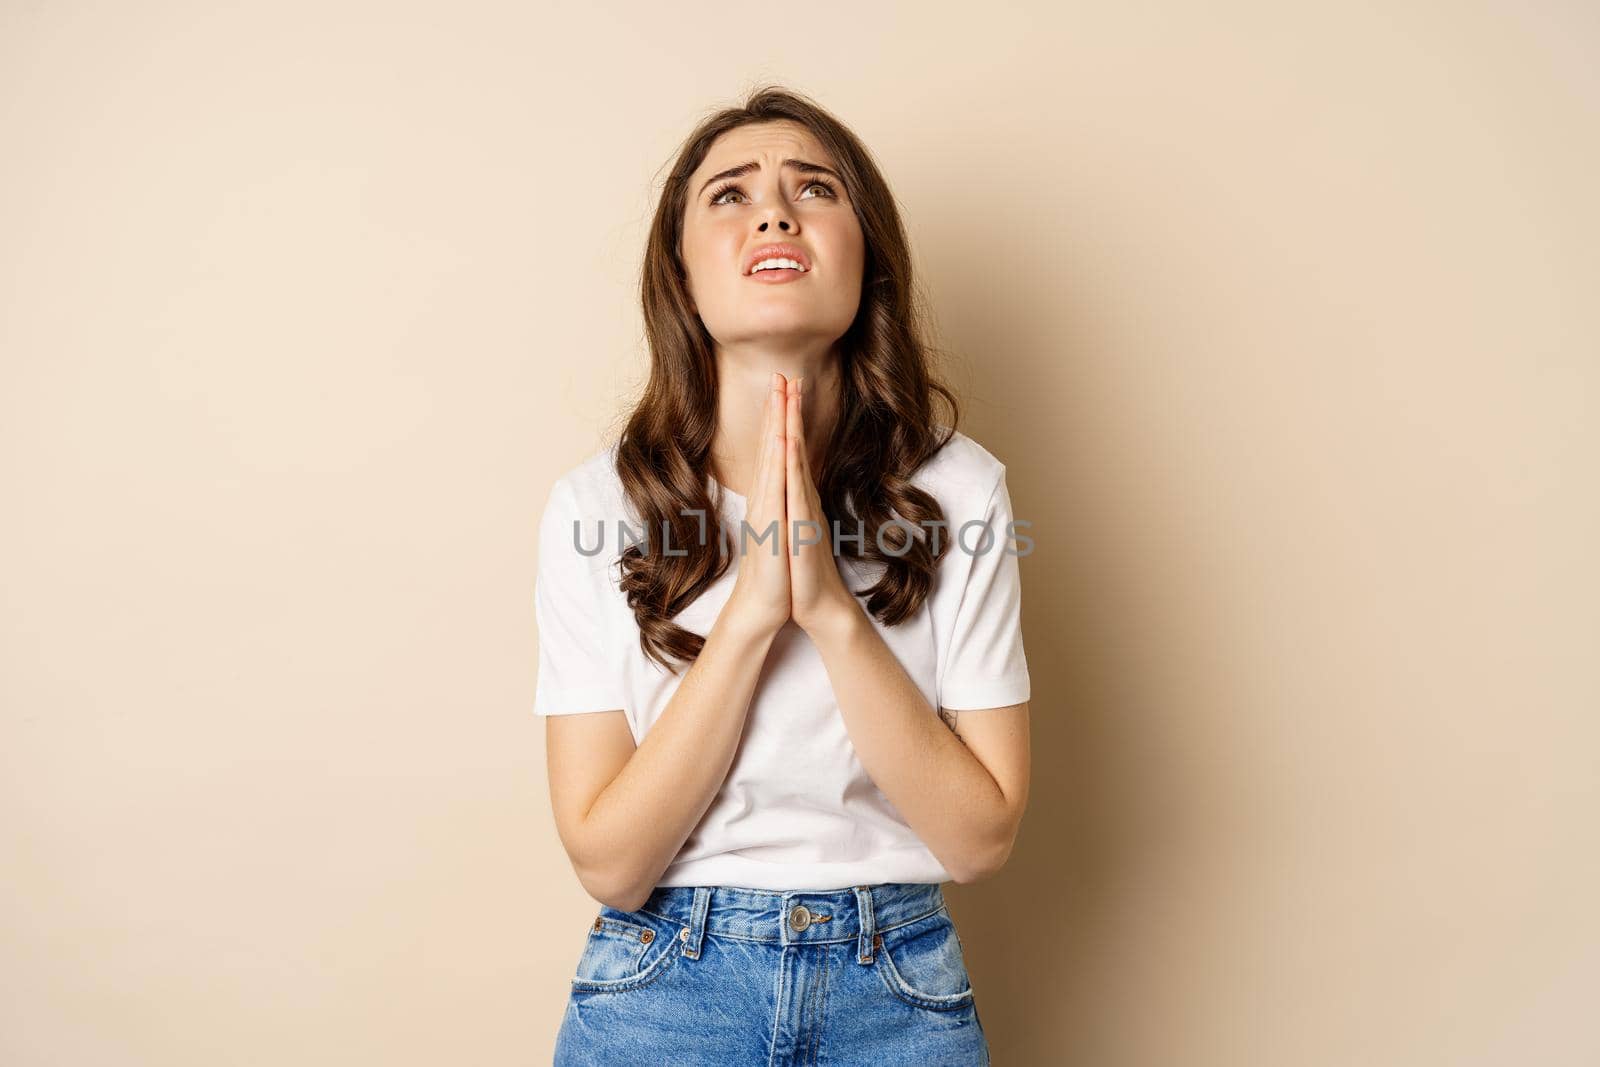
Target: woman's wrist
736, 617
842, 622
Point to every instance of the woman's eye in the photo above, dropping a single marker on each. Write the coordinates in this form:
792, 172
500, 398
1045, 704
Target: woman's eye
717, 197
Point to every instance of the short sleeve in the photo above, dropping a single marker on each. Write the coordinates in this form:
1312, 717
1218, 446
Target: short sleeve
576, 671
985, 666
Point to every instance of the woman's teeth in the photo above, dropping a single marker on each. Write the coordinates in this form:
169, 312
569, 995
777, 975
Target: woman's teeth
773, 264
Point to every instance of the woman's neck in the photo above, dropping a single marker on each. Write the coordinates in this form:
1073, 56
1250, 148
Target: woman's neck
743, 381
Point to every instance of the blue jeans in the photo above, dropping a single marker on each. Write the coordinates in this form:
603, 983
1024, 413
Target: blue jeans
725, 976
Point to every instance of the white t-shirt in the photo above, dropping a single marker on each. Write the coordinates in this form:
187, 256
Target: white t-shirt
797, 811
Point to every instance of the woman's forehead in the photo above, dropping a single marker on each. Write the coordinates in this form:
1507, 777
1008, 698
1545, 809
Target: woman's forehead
776, 140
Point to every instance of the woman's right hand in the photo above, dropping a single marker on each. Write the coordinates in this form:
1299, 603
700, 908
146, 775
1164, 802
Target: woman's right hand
761, 591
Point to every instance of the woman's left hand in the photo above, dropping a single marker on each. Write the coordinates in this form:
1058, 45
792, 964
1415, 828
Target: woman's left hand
818, 596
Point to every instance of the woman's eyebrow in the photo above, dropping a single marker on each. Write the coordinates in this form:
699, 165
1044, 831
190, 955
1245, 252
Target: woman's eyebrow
792, 164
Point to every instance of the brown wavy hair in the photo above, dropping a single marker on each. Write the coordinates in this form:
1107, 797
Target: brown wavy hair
887, 427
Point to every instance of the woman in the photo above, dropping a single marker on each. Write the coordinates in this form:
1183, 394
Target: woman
765, 755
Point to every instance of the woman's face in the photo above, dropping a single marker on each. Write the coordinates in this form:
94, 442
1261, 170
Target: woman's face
728, 221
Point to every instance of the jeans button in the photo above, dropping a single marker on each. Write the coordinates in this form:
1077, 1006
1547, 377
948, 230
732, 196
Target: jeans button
800, 918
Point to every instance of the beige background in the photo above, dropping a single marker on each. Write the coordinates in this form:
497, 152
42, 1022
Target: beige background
1284, 322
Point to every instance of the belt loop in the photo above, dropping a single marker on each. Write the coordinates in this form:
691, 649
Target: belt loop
697, 921
864, 909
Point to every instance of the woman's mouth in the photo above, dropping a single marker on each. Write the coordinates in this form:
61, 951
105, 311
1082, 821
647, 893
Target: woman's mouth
774, 264
777, 271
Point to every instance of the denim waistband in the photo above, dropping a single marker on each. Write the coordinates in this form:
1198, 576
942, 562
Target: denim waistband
794, 917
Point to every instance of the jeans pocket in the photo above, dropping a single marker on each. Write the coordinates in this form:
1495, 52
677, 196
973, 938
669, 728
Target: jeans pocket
922, 964
625, 950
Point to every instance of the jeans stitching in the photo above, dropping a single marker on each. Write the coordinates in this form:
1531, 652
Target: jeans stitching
815, 941
656, 970
901, 988
822, 1011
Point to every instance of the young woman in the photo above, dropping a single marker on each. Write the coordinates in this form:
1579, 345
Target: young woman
779, 637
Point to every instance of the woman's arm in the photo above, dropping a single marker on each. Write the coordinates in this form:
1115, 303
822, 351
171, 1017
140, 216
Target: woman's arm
962, 790
624, 812
963, 794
